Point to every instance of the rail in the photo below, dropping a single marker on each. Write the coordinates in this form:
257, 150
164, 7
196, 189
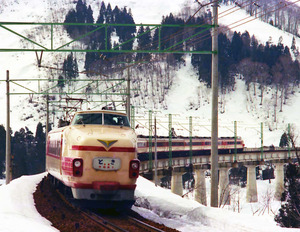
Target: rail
103, 222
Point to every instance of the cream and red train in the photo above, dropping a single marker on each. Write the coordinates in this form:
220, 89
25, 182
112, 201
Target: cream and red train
181, 146
96, 157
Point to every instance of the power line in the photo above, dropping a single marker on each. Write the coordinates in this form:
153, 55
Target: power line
284, 6
208, 36
241, 6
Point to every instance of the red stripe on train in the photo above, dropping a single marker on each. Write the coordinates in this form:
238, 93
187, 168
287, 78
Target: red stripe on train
108, 186
97, 148
67, 166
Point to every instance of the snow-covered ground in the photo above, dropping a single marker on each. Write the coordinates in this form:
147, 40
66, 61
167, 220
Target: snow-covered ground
185, 90
18, 213
240, 21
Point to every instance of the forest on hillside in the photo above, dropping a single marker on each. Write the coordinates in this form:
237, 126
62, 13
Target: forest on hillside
28, 155
261, 65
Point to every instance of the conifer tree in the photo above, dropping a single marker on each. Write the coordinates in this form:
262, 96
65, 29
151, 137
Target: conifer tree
236, 47
144, 43
289, 213
71, 17
70, 67
40, 152
61, 82
19, 154
81, 14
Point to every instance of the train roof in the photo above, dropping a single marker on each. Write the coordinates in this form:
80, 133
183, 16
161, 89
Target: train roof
185, 137
99, 111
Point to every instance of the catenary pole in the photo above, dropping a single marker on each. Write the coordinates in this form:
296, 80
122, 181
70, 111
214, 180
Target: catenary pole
214, 123
155, 154
47, 123
8, 167
128, 95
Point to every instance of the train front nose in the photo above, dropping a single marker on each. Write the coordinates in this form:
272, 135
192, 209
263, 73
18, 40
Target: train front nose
106, 137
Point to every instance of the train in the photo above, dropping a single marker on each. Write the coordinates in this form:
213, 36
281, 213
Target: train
94, 159
181, 146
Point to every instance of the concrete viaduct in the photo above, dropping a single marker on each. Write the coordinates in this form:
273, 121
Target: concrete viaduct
250, 157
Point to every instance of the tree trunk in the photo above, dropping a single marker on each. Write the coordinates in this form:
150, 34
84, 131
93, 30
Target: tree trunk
275, 104
281, 99
262, 94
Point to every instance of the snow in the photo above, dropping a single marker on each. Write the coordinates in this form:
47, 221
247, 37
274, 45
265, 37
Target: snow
18, 213
263, 32
186, 90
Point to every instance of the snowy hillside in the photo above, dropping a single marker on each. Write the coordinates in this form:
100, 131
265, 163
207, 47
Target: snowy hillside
187, 96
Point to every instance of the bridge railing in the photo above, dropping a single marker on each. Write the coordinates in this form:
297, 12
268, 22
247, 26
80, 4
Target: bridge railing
279, 155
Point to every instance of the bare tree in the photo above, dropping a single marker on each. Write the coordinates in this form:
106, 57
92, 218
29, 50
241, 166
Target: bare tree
276, 72
293, 140
262, 72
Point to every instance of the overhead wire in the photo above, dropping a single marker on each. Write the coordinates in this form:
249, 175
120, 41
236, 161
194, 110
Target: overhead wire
239, 6
201, 38
168, 37
163, 41
186, 30
208, 36
285, 5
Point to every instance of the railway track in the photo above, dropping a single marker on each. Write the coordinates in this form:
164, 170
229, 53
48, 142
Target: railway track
120, 223
103, 222
144, 226
66, 217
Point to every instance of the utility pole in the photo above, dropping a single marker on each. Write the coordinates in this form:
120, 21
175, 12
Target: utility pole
155, 153
214, 122
128, 95
47, 123
8, 167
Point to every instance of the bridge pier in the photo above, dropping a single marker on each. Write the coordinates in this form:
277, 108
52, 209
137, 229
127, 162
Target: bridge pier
200, 185
251, 183
279, 180
224, 186
176, 181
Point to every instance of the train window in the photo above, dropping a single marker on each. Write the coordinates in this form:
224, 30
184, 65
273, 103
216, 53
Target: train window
96, 119
196, 143
83, 119
141, 144
116, 120
177, 144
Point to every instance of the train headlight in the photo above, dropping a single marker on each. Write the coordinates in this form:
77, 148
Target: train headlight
77, 163
134, 165
134, 168
77, 167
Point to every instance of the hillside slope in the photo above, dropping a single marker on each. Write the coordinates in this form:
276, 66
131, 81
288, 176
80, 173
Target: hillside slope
186, 97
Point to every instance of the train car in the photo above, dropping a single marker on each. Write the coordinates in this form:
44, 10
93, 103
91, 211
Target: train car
181, 146
96, 158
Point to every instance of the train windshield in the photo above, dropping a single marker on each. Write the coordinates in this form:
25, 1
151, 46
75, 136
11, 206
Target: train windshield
83, 119
116, 120
97, 119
